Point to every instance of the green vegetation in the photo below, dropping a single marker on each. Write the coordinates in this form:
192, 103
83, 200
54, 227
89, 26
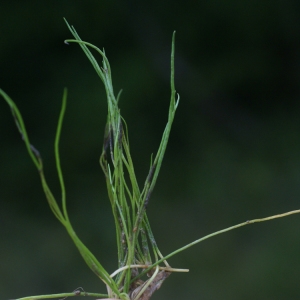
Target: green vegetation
139, 273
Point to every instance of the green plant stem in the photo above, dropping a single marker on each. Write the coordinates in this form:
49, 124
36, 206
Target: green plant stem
64, 295
214, 234
57, 156
62, 216
21, 127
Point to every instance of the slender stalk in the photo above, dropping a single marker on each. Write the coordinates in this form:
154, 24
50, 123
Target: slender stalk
64, 295
57, 156
214, 234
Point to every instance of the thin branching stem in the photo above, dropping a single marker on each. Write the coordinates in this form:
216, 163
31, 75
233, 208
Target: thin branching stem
64, 295
214, 234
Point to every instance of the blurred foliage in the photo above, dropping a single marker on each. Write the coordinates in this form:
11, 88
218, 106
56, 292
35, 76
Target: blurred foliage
234, 151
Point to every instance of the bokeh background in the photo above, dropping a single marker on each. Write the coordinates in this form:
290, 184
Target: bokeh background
234, 151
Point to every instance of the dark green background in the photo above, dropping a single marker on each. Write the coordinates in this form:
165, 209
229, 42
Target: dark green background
234, 151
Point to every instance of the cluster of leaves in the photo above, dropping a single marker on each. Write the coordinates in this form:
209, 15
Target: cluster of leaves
128, 202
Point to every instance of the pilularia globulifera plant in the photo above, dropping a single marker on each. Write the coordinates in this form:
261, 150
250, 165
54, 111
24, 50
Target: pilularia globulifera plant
141, 267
